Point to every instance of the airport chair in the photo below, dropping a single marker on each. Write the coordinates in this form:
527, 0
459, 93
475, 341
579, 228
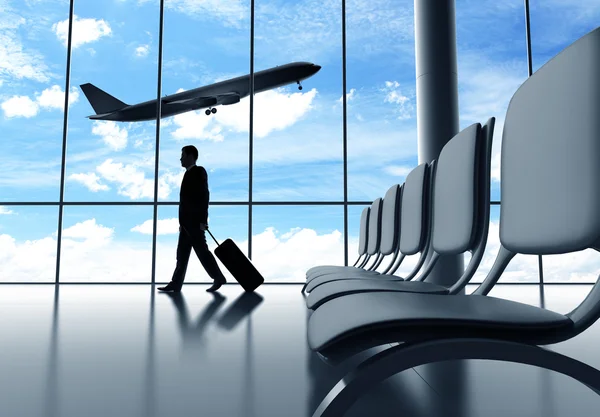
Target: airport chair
550, 183
460, 210
414, 226
371, 241
373, 244
362, 247
389, 243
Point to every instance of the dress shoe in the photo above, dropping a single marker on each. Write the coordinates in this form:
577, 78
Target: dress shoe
216, 285
170, 287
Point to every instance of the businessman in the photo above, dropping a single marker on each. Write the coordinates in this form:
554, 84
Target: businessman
193, 221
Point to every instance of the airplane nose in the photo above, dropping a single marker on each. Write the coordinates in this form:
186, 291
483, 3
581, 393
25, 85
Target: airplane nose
316, 67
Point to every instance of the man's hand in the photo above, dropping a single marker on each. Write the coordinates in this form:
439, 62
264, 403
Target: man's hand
203, 226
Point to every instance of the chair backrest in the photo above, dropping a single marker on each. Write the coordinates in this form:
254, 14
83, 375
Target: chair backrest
374, 227
363, 236
455, 193
550, 165
390, 220
461, 197
415, 211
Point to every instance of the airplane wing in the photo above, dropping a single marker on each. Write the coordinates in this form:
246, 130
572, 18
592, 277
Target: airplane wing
201, 102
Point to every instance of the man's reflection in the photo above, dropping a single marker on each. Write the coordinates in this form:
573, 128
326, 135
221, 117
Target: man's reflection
193, 333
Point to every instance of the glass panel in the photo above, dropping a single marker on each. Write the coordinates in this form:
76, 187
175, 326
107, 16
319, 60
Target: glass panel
298, 134
114, 49
224, 221
32, 99
288, 240
491, 248
556, 24
582, 266
194, 59
522, 268
382, 125
28, 243
492, 64
106, 244
354, 213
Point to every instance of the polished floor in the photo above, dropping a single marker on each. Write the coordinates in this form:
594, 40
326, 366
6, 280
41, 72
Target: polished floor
108, 350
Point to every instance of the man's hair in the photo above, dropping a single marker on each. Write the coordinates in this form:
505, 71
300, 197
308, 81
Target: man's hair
190, 150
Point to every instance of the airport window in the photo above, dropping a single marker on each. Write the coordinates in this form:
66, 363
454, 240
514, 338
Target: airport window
225, 222
492, 64
294, 189
204, 45
32, 99
28, 243
108, 243
113, 63
288, 240
298, 127
380, 96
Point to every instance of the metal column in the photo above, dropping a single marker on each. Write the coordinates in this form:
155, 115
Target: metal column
437, 98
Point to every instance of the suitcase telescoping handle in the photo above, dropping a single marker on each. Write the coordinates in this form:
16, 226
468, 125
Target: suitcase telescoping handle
213, 238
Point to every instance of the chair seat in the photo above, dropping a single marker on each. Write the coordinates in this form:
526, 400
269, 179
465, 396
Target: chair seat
336, 270
322, 267
350, 275
377, 318
330, 290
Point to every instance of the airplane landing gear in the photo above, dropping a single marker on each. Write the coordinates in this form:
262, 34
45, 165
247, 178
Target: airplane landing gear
213, 111
299, 85
209, 111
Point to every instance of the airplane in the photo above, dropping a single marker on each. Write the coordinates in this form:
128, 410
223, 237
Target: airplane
223, 93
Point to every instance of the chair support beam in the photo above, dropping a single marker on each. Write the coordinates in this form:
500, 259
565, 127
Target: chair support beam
409, 355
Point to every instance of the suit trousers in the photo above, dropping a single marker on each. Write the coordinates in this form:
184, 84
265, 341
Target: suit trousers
193, 237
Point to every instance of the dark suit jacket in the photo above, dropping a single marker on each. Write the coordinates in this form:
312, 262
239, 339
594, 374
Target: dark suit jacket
193, 197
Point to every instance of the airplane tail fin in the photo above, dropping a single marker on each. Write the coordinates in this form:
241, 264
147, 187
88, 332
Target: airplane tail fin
101, 101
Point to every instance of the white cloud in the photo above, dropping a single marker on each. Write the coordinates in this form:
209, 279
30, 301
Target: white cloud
16, 61
112, 135
142, 51
132, 182
164, 227
349, 96
273, 110
54, 97
90, 231
92, 253
85, 30
393, 95
287, 256
5, 210
20, 106
398, 170
90, 180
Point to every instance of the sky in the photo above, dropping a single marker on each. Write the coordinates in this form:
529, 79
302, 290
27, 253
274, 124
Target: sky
297, 134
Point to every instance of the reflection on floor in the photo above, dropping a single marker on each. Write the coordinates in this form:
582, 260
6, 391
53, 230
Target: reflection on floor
107, 350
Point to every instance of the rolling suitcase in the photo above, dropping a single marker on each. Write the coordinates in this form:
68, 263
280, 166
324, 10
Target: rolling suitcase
238, 264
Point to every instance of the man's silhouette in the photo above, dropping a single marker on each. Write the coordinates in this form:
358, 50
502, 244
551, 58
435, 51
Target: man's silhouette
193, 221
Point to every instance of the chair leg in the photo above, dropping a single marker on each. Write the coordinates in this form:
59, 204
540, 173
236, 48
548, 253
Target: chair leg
408, 355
